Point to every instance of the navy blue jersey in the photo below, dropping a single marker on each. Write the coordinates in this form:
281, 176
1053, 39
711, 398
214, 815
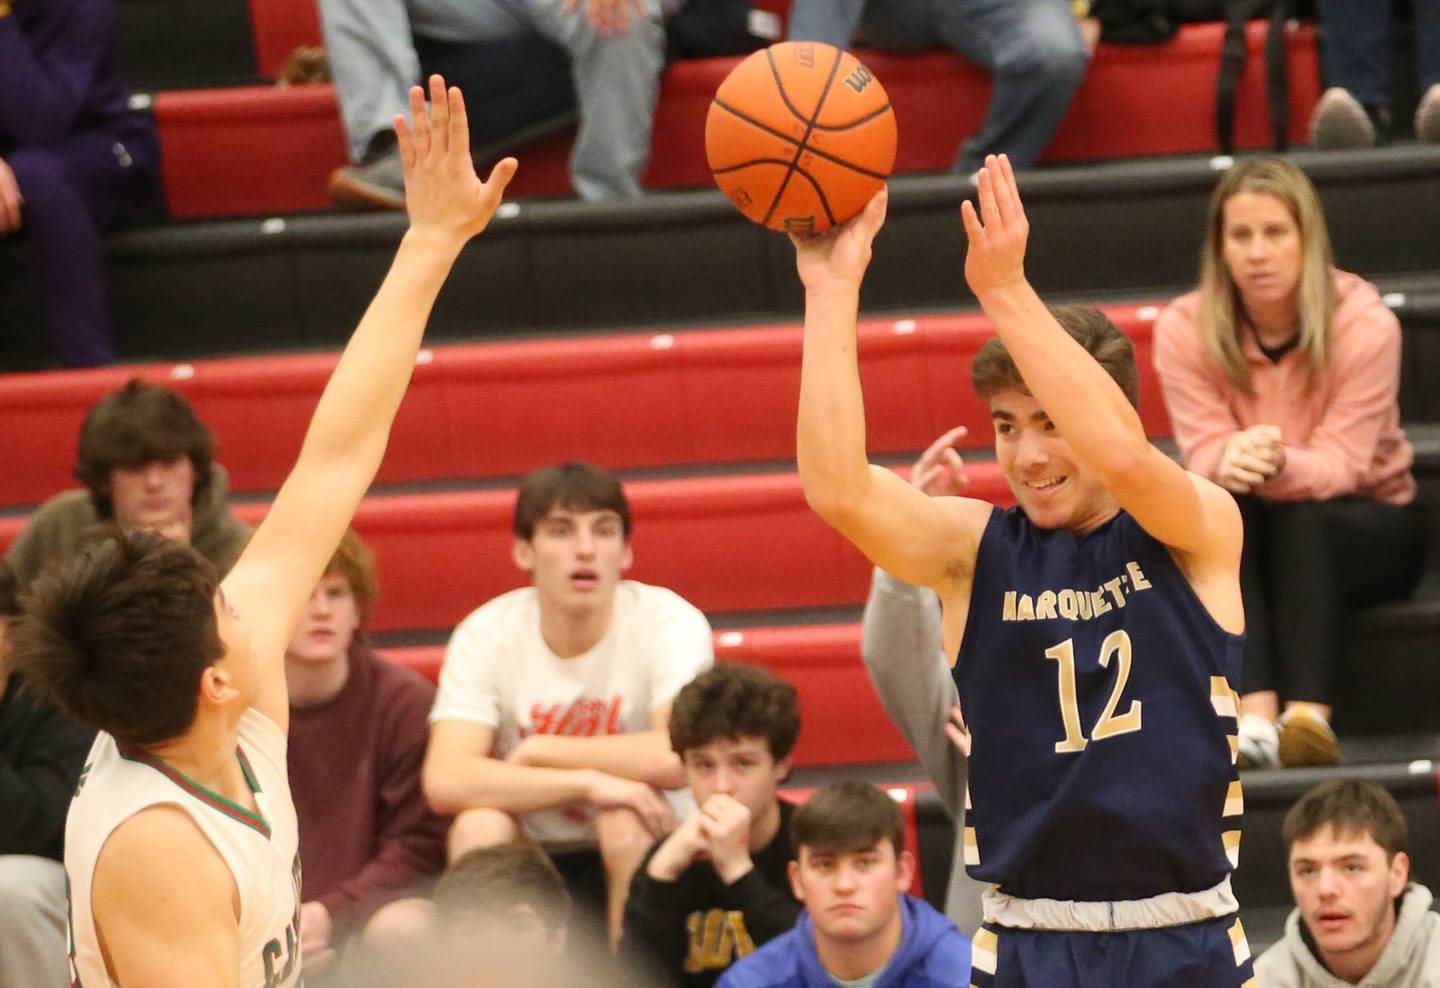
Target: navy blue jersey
1099, 693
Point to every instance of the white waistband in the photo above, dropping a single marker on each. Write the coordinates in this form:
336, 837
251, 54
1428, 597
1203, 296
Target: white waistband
1167, 909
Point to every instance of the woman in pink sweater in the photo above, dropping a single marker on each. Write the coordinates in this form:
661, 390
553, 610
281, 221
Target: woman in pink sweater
1280, 375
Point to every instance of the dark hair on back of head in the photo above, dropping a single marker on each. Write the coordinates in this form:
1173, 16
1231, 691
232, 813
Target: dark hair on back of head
733, 700
847, 818
9, 591
498, 879
119, 634
136, 424
1351, 808
576, 486
994, 370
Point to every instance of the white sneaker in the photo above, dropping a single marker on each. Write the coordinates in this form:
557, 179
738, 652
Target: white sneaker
1427, 116
1259, 743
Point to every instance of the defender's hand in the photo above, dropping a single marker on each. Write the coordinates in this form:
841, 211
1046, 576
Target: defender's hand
838, 258
998, 233
940, 472
443, 195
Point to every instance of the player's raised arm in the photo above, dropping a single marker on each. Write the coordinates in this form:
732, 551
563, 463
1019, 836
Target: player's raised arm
922, 540
1090, 411
447, 204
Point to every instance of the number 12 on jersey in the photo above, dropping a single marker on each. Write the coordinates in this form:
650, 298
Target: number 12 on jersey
1117, 643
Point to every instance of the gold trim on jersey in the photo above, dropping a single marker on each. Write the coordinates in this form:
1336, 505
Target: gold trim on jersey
1231, 839
972, 847
984, 951
1238, 941
1224, 699
1234, 800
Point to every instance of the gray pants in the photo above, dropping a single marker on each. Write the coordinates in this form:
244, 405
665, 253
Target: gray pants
1033, 48
33, 952
372, 56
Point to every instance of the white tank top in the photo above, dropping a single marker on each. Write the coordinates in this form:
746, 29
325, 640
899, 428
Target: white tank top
262, 851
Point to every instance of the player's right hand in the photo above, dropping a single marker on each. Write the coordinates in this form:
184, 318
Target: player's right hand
940, 472
610, 792
11, 200
838, 258
443, 195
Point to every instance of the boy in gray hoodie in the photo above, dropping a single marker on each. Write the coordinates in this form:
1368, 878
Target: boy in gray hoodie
1358, 919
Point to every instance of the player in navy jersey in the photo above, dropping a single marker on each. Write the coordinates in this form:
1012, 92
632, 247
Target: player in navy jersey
1096, 628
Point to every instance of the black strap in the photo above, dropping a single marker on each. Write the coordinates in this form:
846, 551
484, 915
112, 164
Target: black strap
1277, 74
1233, 54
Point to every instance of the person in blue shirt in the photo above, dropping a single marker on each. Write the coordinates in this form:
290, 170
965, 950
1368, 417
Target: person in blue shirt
860, 928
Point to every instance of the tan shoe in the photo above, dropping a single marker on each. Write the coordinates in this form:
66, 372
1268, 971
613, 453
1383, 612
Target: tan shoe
1306, 739
1427, 116
1339, 122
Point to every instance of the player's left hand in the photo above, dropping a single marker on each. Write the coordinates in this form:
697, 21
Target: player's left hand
838, 258
443, 195
608, 18
998, 232
725, 822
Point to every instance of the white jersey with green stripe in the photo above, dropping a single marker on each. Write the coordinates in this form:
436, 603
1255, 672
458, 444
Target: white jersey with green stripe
260, 849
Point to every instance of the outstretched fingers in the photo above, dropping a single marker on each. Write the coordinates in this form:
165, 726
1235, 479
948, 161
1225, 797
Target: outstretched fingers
439, 116
419, 123
458, 126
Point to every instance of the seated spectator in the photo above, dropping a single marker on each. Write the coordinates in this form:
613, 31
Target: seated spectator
1032, 47
616, 49
1356, 110
859, 926
358, 717
1281, 375
75, 161
718, 885
903, 653
554, 703
1358, 918
146, 462
41, 751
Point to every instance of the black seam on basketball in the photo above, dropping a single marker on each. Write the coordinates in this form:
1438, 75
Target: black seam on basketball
784, 163
809, 128
855, 123
756, 123
780, 87
819, 191
811, 149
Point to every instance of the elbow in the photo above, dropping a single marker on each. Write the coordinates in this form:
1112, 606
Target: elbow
1123, 462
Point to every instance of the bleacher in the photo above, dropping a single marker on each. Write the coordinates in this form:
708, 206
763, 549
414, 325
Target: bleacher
660, 338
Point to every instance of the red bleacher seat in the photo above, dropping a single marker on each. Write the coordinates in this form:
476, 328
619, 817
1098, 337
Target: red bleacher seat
257, 150
281, 26
502, 409
844, 723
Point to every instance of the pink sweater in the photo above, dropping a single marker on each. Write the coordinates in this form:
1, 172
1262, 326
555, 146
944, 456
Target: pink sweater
1341, 438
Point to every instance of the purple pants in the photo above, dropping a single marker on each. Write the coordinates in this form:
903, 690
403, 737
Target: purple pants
74, 191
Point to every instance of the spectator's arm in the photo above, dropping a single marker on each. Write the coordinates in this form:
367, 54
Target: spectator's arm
644, 756
35, 788
1342, 447
41, 96
459, 773
410, 838
1198, 404
901, 646
654, 920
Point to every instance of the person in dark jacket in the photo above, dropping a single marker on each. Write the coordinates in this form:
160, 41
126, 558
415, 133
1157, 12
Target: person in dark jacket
716, 887
859, 926
41, 752
75, 161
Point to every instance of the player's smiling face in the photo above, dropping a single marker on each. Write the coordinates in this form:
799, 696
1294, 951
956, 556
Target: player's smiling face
1049, 483
1346, 892
576, 557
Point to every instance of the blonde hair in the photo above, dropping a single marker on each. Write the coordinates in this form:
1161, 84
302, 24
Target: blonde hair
1221, 309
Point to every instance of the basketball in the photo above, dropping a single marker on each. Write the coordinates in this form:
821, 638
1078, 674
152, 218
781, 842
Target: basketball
800, 136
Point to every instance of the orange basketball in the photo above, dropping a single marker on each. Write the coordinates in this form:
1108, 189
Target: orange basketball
800, 136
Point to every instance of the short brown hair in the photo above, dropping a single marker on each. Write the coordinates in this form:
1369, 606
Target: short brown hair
994, 370
734, 700
137, 424
1351, 808
575, 485
497, 879
119, 634
356, 564
847, 818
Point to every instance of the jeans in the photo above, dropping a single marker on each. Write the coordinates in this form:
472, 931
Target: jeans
32, 922
1357, 46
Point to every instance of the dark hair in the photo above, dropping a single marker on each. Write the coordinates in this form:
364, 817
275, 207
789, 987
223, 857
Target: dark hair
354, 562
994, 370
9, 591
119, 634
1352, 808
137, 424
847, 818
734, 700
497, 879
574, 485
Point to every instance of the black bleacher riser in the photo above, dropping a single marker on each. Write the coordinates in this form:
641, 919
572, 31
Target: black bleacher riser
185, 44
207, 288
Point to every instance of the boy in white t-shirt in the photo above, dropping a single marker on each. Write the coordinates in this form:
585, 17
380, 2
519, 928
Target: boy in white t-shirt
552, 716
